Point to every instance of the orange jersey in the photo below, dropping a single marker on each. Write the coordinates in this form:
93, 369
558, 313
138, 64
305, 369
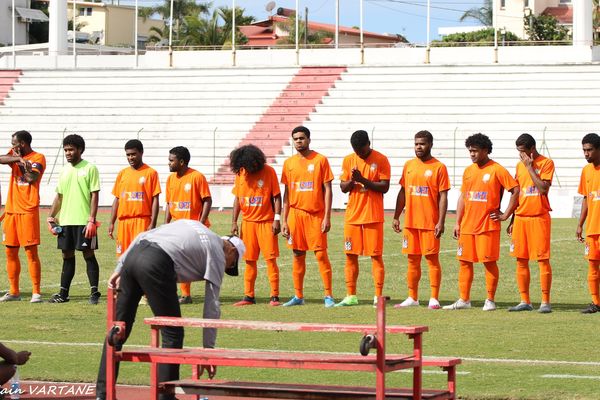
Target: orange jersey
305, 178
135, 189
482, 190
531, 202
422, 183
255, 192
589, 186
365, 206
24, 197
184, 194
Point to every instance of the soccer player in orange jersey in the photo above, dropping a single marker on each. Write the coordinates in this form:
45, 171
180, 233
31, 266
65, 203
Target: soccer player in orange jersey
188, 197
589, 188
530, 226
306, 216
366, 177
258, 199
136, 193
22, 214
478, 218
424, 195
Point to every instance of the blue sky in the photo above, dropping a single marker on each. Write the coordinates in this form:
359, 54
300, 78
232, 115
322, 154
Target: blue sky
407, 17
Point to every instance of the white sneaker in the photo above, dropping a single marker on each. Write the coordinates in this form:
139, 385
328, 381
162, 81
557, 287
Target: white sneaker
434, 304
460, 304
489, 305
10, 297
374, 301
409, 302
36, 298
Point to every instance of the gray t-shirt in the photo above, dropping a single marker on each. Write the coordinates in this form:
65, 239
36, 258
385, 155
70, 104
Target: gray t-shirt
197, 254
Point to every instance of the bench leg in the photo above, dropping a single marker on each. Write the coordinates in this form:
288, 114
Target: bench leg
451, 380
111, 365
154, 339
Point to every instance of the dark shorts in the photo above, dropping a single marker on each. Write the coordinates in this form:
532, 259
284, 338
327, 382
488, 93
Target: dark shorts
72, 238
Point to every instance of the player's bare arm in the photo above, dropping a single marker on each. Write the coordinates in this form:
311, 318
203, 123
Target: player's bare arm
206, 206
380, 186
400, 203
542, 185
498, 215
346, 186
285, 230
328, 193
442, 210
235, 215
582, 218
113, 217
277, 221
168, 216
155, 208
460, 211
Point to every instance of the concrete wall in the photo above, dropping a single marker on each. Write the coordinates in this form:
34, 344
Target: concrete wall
6, 23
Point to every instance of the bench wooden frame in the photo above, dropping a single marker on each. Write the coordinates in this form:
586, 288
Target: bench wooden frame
380, 362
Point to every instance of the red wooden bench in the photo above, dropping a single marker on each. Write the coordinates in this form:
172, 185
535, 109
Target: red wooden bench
380, 363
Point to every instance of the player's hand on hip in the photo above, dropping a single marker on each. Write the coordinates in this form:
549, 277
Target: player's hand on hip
396, 225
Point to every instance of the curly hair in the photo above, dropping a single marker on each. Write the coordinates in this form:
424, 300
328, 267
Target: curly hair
248, 157
593, 139
479, 140
182, 153
75, 141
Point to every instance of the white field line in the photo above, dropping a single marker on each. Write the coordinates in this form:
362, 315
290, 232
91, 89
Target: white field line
551, 376
471, 359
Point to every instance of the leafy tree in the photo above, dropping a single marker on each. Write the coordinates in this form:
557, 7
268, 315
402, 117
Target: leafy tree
226, 15
289, 26
483, 14
544, 28
481, 37
181, 10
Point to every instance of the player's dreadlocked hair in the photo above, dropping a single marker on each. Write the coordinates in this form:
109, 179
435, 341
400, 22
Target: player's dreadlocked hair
248, 157
479, 140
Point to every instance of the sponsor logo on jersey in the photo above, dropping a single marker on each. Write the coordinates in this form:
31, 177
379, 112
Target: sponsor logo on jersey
183, 205
22, 182
477, 196
253, 201
530, 191
419, 191
594, 195
135, 196
304, 186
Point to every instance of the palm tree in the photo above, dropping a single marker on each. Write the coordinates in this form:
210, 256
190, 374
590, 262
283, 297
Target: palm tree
181, 10
289, 26
226, 15
483, 14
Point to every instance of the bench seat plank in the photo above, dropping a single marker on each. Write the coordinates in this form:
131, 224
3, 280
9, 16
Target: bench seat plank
280, 326
266, 359
294, 391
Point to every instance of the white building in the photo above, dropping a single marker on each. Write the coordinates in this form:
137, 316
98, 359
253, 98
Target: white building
510, 13
23, 16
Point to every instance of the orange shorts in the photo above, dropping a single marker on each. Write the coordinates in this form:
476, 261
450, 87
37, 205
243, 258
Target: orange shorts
305, 231
592, 247
128, 229
258, 237
365, 239
419, 241
481, 247
21, 229
531, 237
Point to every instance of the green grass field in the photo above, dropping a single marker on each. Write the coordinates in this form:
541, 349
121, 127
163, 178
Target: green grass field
506, 355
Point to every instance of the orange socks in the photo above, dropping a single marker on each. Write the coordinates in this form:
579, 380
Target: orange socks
378, 271
351, 272
523, 279
249, 278
435, 274
298, 271
186, 288
35, 268
465, 279
325, 270
13, 269
545, 279
491, 279
413, 275
594, 280
273, 272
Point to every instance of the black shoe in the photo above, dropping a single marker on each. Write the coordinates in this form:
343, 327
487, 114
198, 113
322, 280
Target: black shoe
274, 301
246, 301
591, 309
58, 298
94, 297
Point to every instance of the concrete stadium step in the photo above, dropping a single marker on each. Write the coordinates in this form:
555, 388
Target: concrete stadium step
170, 87
143, 95
135, 73
7, 81
483, 92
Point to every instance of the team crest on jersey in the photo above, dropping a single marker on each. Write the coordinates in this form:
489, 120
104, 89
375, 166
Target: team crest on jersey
486, 177
428, 173
405, 242
183, 205
142, 180
261, 183
135, 196
304, 186
310, 168
459, 250
187, 187
253, 201
373, 166
348, 244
